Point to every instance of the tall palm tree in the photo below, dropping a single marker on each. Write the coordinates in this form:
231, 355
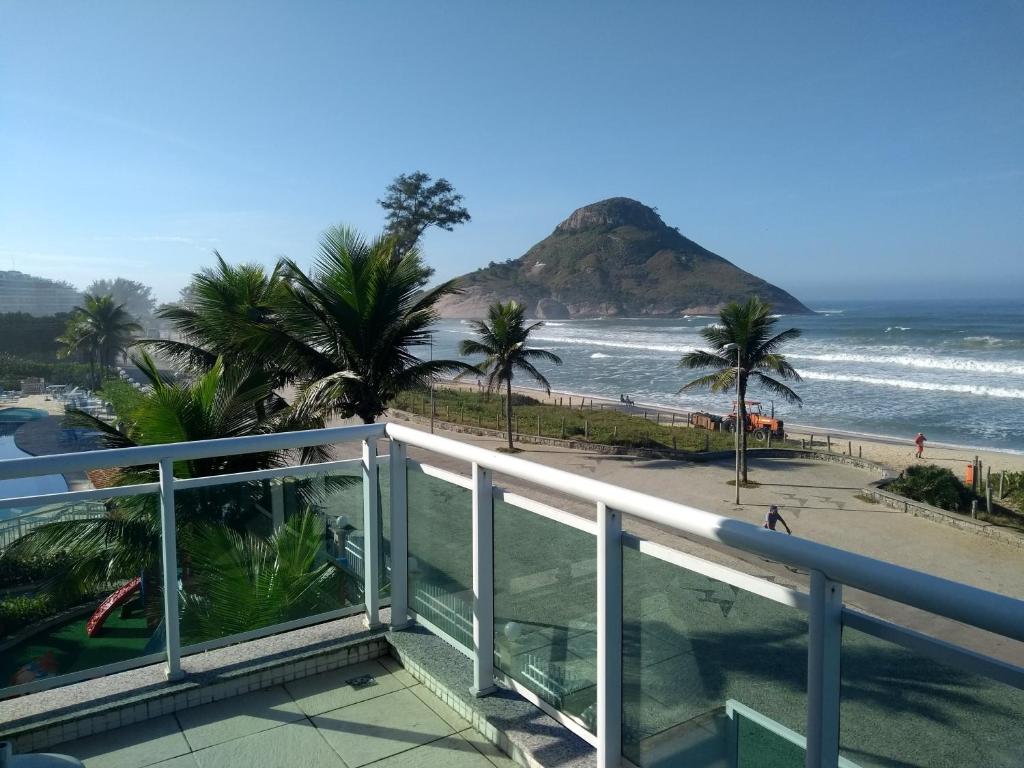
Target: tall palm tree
230, 314
237, 582
101, 329
223, 402
347, 331
744, 342
502, 338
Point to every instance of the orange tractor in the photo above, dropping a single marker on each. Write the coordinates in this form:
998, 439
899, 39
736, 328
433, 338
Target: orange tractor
759, 424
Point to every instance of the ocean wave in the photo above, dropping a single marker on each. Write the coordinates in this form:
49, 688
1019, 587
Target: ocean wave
598, 355
829, 311
892, 328
918, 361
594, 342
963, 389
549, 324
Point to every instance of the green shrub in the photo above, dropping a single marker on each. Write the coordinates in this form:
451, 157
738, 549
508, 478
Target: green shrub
13, 369
16, 571
933, 485
18, 612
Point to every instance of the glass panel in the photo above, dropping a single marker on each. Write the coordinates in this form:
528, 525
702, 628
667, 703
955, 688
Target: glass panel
691, 645
82, 586
545, 608
441, 554
384, 497
901, 709
255, 554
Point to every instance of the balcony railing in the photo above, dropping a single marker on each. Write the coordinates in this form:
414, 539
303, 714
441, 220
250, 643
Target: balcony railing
652, 655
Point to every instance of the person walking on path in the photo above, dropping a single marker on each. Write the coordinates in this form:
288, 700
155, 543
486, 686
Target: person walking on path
919, 442
773, 518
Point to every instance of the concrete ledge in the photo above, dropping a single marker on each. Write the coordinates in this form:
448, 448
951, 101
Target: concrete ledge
944, 516
40, 720
524, 732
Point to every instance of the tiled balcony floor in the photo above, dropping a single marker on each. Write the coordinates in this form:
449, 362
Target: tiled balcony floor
373, 713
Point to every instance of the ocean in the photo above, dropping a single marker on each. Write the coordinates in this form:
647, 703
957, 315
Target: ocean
954, 371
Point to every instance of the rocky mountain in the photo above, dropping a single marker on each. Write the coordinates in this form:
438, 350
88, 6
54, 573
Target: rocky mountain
615, 258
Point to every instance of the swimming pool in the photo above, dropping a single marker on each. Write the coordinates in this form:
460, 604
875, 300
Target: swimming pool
10, 419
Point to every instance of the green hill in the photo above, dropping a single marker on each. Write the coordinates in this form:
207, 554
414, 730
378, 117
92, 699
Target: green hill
615, 258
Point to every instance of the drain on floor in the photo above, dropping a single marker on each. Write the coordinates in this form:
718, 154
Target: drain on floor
363, 681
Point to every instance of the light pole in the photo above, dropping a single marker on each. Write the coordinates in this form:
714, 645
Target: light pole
740, 421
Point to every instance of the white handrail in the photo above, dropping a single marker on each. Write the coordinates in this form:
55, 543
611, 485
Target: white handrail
954, 600
60, 463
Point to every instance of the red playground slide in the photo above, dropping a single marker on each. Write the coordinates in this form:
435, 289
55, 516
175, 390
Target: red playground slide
113, 601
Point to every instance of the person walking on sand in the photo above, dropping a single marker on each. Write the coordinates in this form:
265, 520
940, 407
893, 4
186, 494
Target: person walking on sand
919, 442
773, 518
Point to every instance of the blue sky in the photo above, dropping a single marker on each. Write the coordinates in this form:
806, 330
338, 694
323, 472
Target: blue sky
822, 145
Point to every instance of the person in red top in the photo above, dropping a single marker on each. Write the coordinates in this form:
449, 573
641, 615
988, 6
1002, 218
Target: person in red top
919, 442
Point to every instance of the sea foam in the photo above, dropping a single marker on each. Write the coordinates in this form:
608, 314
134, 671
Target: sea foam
963, 389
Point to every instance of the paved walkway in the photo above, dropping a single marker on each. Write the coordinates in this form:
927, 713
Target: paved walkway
370, 714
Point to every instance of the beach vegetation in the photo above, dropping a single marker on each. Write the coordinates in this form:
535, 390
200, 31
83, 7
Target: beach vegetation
744, 348
503, 340
596, 423
934, 485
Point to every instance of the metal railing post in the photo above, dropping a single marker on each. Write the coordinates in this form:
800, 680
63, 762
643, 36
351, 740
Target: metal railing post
483, 582
399, 536
169, 556
371, 535
609, 637
824, 646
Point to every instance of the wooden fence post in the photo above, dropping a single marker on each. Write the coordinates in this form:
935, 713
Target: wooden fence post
563, 428
674, 443
657, 417
586, 429
860, 451
538, 425
497, 420
1002, 477
849, 447
447, 413
615, 433
828, 439
673, 418
811, 442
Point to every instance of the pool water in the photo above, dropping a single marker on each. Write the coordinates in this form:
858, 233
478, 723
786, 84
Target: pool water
10, 420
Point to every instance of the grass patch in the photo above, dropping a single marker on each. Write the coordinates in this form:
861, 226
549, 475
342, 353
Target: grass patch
593, 424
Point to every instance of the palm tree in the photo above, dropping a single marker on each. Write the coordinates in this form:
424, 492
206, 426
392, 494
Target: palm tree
101, 329
229, 313
237, 582
744, 341
502, 338
347, 332
223, 402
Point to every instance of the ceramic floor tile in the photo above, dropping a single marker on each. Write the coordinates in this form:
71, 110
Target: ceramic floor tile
134, 746
295, 744
238, 716
488, 750
381, 727
449, 752
317, 694
185, 761
446, 713
401, 674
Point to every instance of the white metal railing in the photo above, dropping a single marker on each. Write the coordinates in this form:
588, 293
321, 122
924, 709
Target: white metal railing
830, 569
